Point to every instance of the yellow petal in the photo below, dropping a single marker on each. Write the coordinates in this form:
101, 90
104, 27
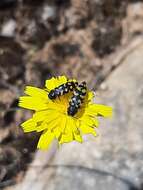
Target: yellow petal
53, 116
90, 120
85, 129
51, 83
62, 80
51, 121
76, 132
72, 125
29, 126
41, 115
96, 122
45, 140
61, 127
98, 109
78, 137
71, 132
32, 103
42, 127
90, 95
87, 120
45, 115
55, 82
57, 132
63, 124
67, 136
36, 92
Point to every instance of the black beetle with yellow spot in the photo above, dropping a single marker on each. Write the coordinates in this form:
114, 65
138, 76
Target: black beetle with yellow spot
62, 89
77, 98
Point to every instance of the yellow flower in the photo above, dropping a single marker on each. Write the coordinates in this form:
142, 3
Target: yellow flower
51, 116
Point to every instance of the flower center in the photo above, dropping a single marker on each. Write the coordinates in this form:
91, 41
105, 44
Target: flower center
62, 104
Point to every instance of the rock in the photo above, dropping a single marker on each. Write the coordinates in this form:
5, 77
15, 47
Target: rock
113, 160
8, 28
72, 54
132, 24
48, 12
11, 60
104, 35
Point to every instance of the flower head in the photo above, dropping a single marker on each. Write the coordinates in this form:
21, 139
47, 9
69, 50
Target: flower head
51, 116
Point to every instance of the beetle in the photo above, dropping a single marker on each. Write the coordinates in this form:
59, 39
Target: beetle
62, 89
77, 99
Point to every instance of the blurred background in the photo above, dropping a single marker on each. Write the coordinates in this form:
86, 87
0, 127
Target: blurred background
100, 41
